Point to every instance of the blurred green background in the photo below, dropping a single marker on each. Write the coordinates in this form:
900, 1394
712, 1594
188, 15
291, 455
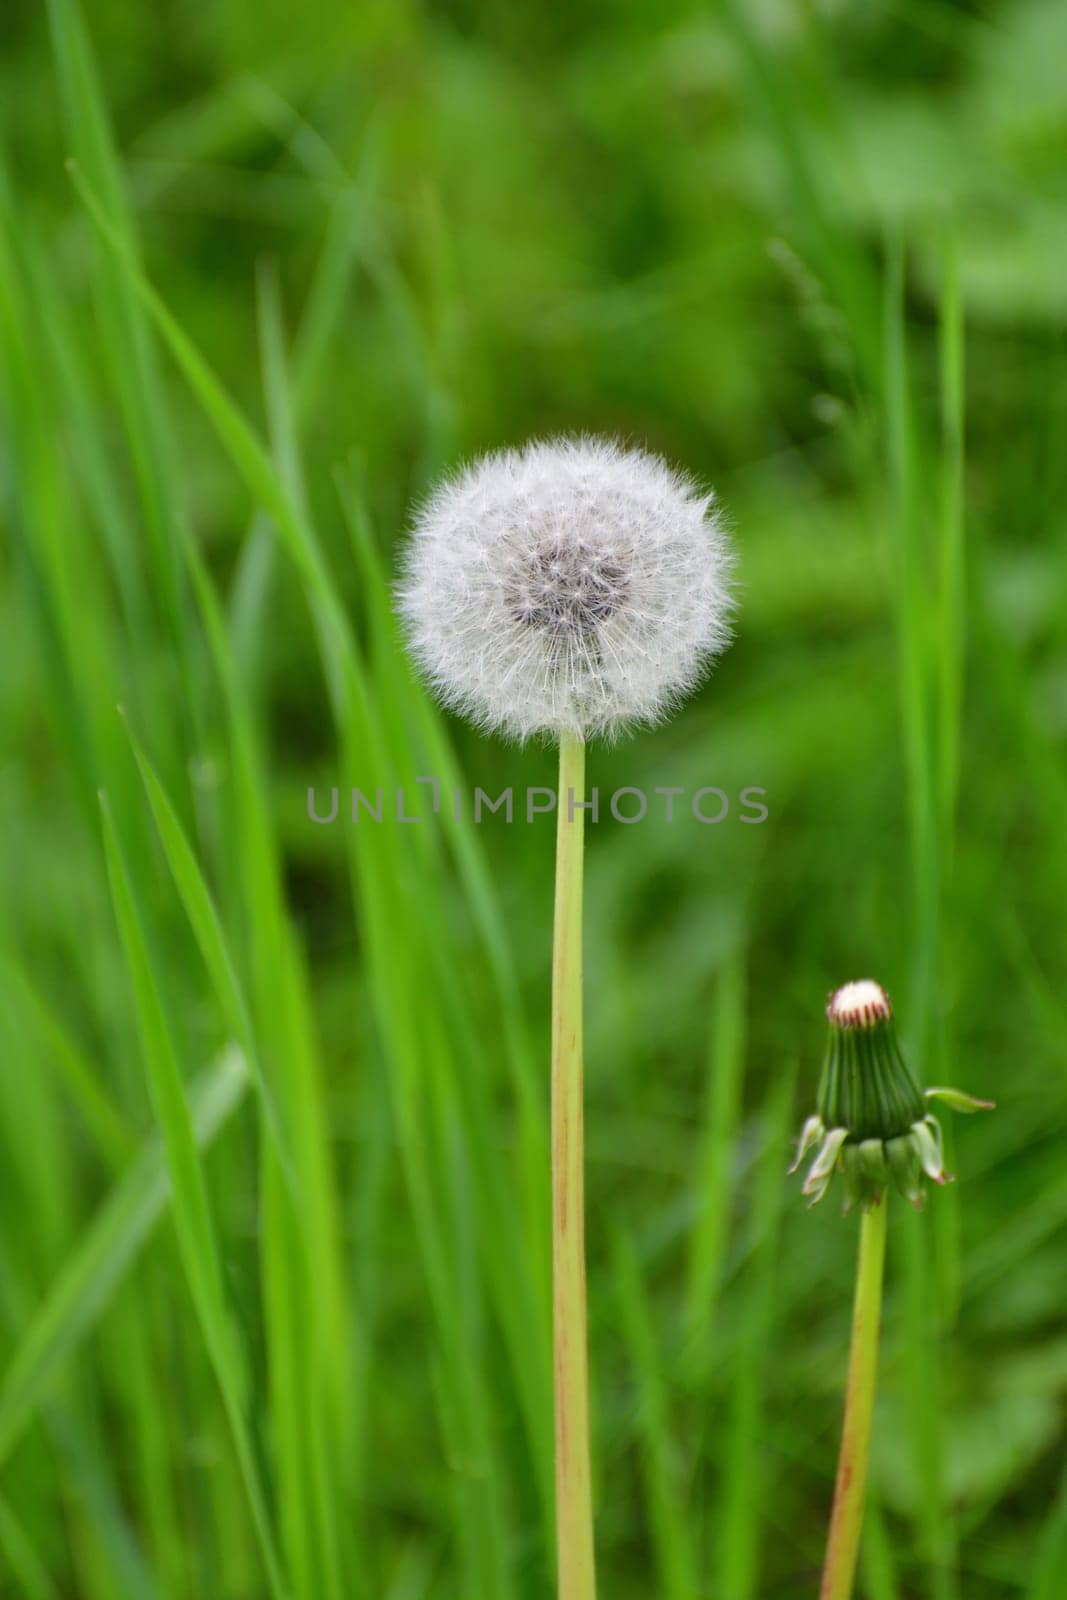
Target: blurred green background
273, 1238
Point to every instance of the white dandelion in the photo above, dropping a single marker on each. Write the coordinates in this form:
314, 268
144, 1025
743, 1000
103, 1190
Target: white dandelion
572, 586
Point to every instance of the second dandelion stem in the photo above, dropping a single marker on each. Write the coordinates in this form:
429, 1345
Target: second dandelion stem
574, 1499
850, 1489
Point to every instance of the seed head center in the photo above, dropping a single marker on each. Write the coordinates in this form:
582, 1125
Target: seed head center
567, 591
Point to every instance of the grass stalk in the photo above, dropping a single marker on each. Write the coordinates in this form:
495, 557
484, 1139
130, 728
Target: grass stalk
574, 1500
846, 1519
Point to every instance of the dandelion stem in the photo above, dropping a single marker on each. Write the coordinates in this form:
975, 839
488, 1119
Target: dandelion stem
574, 1501
847, 1515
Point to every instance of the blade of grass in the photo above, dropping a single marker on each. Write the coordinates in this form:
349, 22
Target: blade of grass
109, 1548
238, 439
104, 1254
322, 1446
948, 668
33, 1132
1050, 1567
311, 1405
134, 1334
368, 1213
912, 654
299, 1250
726, 1059
346, 234
291, 1301
747, 1481
921, 1303
22, 1561
110, 1129
674, 1551
210, 938
877, 1563
192, 1216
129, 350
949, 633
71, 359
60, 573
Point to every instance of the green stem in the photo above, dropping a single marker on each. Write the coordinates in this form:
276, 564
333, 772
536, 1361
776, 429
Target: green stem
847, 1515
574, 1499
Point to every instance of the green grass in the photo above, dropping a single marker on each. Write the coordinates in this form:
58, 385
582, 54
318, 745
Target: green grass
274, 1226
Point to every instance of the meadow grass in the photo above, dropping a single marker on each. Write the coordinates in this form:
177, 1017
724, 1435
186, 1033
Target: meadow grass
274, 1208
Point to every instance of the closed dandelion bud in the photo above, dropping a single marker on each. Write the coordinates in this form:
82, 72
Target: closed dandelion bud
871, 1120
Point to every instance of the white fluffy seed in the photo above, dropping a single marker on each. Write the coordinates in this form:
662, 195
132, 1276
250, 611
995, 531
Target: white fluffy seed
570, 586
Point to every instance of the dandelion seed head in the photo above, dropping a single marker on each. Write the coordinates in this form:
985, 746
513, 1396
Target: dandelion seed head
570, 586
